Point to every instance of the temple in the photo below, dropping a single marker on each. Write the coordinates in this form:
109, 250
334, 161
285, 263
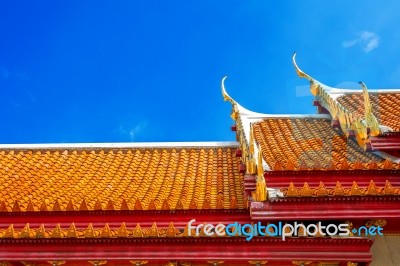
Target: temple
310, 189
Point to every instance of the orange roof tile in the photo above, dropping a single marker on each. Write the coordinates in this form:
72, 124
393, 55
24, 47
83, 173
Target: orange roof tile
311, 143
141, 178
386, 107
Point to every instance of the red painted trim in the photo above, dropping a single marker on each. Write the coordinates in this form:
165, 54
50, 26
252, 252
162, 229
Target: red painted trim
389, 141
188, 249
326, 208
282, 179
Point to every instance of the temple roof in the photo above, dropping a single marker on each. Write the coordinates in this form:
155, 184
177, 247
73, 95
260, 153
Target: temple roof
120, 176
386, 106
311, 143
363, 113
302, 142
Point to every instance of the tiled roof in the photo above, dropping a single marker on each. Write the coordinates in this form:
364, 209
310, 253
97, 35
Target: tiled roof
120, 179
311, 143
386, 107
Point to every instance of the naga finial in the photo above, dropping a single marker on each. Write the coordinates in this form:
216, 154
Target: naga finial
224, 93
370, 118
314, 87
300, 72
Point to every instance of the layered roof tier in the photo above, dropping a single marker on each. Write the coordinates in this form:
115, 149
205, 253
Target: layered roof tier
157, 176
339, 139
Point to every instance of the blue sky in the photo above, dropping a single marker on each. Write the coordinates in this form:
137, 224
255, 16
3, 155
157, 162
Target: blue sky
96, 71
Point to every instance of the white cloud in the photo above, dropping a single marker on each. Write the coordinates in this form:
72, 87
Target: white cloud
132, 132
366, 40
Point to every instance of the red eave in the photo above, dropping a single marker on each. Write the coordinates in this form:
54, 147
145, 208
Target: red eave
326, 208
389, 141
188, 249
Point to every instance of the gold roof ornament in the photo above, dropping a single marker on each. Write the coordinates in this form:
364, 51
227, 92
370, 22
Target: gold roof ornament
225, 95
314, 87
292, 191
72, 231
306, 191
370, 119
106, 232
89, 232
26, 232
349, 120
122, 231
261, 187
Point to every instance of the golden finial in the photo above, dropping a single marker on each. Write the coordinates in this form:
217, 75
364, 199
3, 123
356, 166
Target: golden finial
306, 191
171, 231
225, 95
355, 189
389, 189
106, 232
9, 232
370, 119
56, 232
338, 191
322, 191
292, 191
72, 231
89, 232
137, 232
41, 232
372, 189
122, 231
299, 72
261, 187
153, 231
26, 232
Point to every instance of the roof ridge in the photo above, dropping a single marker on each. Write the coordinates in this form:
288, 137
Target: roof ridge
121, 145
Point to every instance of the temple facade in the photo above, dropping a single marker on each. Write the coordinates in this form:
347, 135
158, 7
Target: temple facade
310, 189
